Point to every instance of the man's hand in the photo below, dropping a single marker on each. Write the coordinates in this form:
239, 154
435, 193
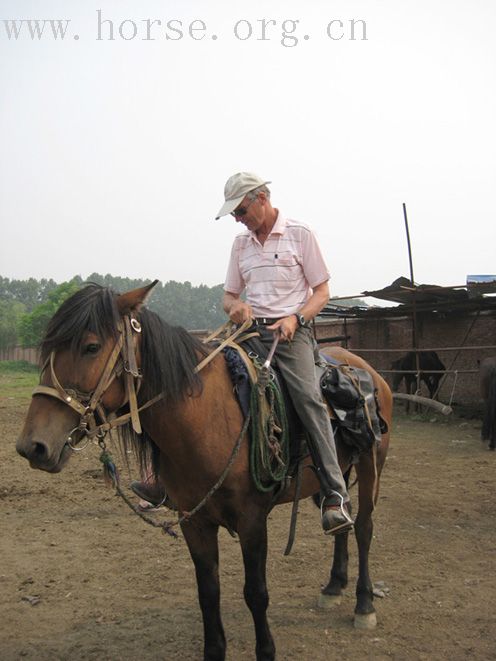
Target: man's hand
286, 327
238, 310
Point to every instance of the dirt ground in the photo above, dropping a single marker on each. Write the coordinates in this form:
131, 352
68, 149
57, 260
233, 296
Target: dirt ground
81, 577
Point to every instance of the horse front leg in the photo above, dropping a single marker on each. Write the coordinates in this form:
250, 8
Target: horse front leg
365, 617
202, 541
253, 538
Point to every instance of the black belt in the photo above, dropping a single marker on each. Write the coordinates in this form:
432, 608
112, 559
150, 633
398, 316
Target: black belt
265, 321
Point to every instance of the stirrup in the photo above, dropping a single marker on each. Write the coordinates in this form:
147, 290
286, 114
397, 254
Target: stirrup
347, 523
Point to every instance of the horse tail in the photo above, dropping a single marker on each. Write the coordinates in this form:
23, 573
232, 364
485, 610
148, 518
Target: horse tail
489, 421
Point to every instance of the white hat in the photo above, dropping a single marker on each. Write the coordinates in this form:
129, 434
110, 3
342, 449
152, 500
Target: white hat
236, 188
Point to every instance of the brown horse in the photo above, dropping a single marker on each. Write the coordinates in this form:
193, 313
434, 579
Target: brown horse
94, 344
487, 377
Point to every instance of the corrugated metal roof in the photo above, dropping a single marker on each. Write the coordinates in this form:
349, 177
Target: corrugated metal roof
425, 297
402, 291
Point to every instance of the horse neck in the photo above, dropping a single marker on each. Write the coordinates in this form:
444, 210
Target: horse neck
201, 424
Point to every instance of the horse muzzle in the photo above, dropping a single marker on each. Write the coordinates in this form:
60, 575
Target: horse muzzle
41, 456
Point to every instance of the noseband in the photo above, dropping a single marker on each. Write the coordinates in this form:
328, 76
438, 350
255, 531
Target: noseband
122, 359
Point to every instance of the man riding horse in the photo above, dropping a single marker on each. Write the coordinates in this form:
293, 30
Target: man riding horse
278, 263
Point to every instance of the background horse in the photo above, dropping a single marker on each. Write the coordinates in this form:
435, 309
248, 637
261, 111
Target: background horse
487, 376
428, 360
96, 347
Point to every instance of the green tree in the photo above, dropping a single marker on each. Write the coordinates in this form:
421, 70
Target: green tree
11, 313
33, 325
117, 283
29, 292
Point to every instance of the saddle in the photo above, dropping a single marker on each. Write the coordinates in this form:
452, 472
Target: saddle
348, 391
352, 398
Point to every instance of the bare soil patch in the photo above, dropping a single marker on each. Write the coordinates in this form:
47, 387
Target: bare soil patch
82, 578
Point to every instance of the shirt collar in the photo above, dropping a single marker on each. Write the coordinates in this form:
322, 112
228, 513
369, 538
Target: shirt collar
278, 228
279, 225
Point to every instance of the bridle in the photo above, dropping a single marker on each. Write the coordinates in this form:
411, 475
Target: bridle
122, 360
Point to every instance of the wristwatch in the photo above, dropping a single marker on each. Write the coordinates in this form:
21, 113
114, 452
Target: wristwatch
300, 319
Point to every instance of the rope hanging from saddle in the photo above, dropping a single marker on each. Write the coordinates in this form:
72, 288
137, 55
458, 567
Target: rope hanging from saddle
269, 434
269, 447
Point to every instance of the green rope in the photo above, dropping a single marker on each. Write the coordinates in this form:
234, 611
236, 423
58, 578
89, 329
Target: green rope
269, 447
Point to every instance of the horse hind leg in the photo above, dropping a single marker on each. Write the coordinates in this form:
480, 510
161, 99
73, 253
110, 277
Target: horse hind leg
488, 432
203, 547
492, 413
253, 539
365, 617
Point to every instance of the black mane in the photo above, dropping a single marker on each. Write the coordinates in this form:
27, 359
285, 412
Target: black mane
169, 354
92, 308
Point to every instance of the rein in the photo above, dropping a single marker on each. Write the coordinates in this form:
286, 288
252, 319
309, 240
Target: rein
123, 359
167, 526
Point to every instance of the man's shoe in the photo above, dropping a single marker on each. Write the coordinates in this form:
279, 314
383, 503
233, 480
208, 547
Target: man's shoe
335, 517
152, 492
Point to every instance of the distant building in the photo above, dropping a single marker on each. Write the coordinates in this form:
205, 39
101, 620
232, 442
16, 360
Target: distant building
457, 322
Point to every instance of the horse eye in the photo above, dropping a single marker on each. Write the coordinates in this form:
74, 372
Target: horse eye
92, 348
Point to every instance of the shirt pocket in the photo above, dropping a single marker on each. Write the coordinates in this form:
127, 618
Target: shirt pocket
288, 270
286, 261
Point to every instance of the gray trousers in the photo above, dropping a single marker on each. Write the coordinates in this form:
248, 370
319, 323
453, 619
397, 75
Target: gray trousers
296, 362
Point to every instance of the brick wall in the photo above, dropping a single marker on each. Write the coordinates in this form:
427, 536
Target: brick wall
434, 331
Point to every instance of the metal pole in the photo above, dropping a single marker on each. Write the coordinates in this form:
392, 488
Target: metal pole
409, 245
414, 301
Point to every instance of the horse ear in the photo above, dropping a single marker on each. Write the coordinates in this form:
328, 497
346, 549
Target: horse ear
134, 299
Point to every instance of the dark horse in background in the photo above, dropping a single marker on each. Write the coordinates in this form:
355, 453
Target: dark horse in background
428, 360
189, 433
487, 377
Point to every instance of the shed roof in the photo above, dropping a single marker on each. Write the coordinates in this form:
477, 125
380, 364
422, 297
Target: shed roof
426, 298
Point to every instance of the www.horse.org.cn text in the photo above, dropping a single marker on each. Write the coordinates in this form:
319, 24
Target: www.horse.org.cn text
286, 32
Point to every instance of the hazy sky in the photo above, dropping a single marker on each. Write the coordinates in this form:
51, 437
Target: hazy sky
114, 153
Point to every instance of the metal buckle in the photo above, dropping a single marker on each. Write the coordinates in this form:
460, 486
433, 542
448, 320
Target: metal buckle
135, 324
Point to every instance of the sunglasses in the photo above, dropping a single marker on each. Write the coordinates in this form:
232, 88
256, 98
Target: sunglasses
239, 212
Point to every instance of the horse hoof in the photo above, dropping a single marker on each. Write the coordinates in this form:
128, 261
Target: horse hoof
328, 601
365, 621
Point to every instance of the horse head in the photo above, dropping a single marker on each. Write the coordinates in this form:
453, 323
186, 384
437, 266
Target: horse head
90, 369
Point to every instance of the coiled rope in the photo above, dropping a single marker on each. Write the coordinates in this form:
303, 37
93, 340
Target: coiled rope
269, 448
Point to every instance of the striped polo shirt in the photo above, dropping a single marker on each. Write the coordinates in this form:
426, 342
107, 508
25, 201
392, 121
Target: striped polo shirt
278, 276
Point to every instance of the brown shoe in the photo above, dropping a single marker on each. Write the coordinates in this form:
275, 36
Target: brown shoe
335, 517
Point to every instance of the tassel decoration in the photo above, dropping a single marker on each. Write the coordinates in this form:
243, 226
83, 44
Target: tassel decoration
110, 472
